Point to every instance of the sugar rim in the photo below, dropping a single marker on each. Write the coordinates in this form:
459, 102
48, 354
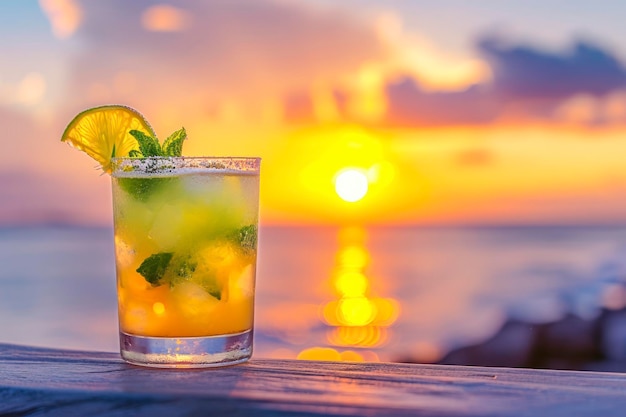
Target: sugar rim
175, 165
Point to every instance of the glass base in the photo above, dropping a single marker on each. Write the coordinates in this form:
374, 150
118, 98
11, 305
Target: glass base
186, 352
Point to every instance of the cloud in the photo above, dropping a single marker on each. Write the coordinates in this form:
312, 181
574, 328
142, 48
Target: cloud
521, 72
179, 65
527, 84
65, 16
196, 60
247, 50
299, 108
408, 105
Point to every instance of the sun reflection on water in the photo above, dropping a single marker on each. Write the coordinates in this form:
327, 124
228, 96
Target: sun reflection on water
357, 317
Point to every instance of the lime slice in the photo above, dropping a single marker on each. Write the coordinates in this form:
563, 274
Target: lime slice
102, 132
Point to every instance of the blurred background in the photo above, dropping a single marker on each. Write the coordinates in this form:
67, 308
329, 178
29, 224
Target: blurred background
442, 181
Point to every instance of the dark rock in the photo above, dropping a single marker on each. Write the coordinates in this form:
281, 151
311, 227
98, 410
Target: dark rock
567, 344
511, 346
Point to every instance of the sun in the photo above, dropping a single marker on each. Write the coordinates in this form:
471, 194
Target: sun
351, 184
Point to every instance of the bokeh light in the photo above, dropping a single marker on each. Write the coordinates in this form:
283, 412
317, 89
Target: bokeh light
357, 317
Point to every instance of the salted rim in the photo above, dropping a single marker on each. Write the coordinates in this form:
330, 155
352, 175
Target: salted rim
177, 165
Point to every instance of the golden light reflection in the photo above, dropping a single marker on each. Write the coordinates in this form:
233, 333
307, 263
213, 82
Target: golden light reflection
356, 311
352, 257
351, 283
363, 336
318, 353
357, 318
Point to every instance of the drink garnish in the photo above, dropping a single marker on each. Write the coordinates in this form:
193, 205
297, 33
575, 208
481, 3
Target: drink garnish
150, 146
112, 131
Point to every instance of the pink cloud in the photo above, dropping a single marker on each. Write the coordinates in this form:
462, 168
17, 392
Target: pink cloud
245, 50
411, 106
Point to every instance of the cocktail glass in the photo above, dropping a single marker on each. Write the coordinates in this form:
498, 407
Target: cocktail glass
185, 250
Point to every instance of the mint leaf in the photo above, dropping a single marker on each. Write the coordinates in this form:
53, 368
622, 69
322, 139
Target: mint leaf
142, 188
148, 146
184, 268
247, 237
173, 145
154, 266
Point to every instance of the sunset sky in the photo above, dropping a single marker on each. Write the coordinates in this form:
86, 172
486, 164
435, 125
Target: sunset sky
452, 112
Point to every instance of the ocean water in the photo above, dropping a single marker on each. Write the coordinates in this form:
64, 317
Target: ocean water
372, 294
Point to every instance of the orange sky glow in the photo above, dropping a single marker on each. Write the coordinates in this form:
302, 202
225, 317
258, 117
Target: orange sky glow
442, 136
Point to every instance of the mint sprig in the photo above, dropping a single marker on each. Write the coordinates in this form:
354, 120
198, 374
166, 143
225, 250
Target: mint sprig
150, 146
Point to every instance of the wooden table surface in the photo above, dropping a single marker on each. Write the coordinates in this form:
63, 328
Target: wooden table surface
39, 381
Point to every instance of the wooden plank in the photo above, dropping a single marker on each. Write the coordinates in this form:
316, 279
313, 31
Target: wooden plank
39, 381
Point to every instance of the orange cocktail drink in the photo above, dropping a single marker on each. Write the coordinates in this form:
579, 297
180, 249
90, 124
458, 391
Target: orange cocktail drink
185, 241
185, 244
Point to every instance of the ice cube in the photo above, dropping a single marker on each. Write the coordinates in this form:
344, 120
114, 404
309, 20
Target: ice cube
203, 187
241, 283
192, 300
